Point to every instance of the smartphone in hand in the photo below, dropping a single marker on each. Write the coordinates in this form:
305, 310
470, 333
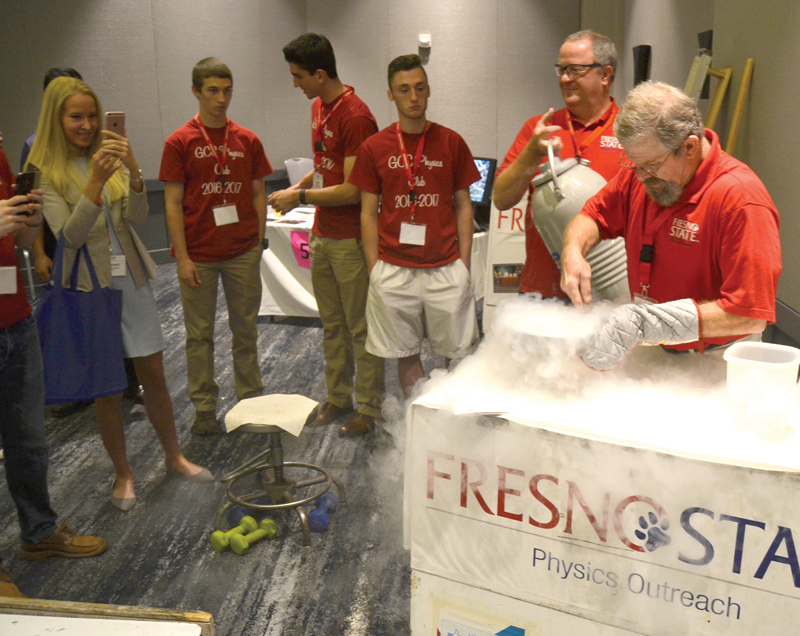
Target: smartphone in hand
115, 122
27, 181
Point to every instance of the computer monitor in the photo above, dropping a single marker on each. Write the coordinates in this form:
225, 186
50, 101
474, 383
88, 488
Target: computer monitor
480, 192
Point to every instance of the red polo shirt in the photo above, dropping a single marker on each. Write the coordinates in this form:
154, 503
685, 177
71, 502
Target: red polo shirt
718, 242
595, 142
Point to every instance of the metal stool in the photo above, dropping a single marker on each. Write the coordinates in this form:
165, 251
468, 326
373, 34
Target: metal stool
275, 414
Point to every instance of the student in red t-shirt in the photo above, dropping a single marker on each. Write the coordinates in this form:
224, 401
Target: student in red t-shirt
701, 233
340, 122
418, 248
216, 205
584, 129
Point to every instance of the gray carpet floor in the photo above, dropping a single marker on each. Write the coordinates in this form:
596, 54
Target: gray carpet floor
355, 577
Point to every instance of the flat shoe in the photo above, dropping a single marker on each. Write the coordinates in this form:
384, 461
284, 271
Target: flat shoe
121, 503
204, 476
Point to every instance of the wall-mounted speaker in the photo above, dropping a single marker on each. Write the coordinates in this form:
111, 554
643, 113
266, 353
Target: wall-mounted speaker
641, 63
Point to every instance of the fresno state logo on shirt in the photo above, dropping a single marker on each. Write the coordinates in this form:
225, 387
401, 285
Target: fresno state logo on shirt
683, 231
609, 142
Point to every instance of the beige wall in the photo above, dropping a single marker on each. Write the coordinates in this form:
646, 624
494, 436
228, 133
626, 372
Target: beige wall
670, 27
490, 67
490, 64
138, 57
768, 137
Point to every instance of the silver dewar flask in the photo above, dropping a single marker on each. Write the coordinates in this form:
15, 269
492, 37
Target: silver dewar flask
562, 188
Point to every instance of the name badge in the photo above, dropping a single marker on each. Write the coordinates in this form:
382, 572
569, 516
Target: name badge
412, 234
225, 214
318, 181
319, 146
118, 265
8, 280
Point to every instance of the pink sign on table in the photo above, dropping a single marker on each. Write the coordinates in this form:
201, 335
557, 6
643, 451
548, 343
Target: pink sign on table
300, 248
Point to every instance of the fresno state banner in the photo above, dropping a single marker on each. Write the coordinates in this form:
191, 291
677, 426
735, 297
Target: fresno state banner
627, 537
506, 256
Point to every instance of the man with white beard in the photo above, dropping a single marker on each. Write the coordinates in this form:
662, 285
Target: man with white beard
701, 233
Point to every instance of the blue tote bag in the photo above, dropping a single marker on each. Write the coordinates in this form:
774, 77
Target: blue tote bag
81, 335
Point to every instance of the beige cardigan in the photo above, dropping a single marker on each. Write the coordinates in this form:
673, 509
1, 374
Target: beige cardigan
85, 222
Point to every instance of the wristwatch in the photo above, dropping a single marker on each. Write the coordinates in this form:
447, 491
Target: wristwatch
265, 243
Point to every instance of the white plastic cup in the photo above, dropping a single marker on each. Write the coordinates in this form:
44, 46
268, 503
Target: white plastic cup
762, 385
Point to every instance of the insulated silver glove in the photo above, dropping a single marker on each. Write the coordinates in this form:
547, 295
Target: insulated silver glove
675, 322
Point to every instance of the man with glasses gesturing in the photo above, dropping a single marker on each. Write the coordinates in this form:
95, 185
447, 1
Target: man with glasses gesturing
587, 62
701, 233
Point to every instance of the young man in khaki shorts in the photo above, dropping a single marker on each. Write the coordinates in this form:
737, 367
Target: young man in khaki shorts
418, 249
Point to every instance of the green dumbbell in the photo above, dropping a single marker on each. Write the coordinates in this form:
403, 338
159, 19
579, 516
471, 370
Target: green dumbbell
221, 540
267, 529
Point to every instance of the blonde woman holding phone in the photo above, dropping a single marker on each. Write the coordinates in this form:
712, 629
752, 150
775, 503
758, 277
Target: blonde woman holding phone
93, 192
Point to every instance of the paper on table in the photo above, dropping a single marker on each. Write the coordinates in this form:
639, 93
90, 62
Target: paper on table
302, 212
286, 411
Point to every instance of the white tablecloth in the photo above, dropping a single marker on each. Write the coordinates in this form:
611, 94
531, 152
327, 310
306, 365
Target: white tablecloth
285, 266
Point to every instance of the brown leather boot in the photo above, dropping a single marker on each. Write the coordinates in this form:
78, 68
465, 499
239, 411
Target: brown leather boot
359, 424
324, 414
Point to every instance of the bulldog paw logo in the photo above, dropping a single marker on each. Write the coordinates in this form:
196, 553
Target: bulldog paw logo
654, 531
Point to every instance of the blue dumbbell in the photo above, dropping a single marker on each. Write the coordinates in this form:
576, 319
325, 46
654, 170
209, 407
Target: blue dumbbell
318, 518
261, 501
236, 513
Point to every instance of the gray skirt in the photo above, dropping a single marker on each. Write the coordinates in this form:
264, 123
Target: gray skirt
141, 326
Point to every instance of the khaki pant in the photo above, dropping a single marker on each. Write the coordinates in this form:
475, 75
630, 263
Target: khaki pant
241, 282
340, 280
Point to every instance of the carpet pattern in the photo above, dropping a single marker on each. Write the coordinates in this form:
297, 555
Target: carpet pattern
354, 579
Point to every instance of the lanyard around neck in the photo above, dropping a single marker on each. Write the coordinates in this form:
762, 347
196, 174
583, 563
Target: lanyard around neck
220, 161
319, 124
587, 141
647, 252
411, 174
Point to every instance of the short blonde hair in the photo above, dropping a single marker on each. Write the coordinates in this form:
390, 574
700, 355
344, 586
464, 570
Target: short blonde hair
51, 152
